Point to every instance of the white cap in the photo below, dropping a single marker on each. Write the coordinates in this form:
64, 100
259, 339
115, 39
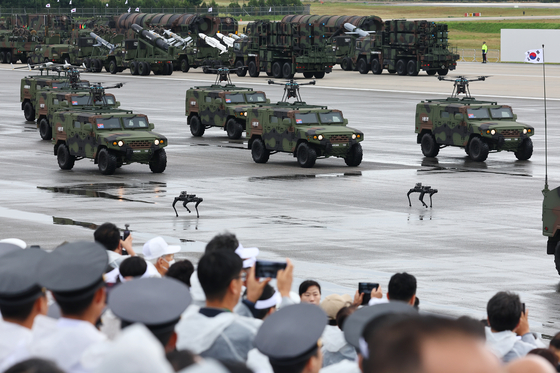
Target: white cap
157, 247
248, 254
17, 242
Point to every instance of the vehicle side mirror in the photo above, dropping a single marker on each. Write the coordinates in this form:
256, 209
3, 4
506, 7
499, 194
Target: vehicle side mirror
458, 116
151, 126
87, 126
287, 121
268, 101
345, 121
118, 104
514, 116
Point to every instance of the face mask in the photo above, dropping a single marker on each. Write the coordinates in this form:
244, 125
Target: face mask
171, 262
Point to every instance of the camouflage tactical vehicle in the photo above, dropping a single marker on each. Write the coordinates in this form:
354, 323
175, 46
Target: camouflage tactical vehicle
51, 77
220, 106
111, 137
305, 131
551, 223
477, 126
50, 102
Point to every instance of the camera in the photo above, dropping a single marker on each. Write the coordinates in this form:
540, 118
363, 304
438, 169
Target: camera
366, 288
266, 268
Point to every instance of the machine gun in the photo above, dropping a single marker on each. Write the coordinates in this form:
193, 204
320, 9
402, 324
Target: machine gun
97, 93
103, 42
461, 84
422, 189
186, 198
291, 89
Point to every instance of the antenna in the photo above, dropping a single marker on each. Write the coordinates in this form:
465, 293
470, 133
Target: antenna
291, 89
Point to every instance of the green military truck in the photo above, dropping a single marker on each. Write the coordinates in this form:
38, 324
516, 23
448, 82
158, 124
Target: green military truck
17, 44
110, 137
51, 102
51, 76
477, 126
220, 106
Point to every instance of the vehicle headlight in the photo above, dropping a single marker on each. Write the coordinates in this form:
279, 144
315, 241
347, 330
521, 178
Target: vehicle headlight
524, 131
354, 136
120, 143
156, 141
320, 137
493, 132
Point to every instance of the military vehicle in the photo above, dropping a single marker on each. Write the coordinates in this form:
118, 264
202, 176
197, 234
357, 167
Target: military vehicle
220, 105
52, 76
282, 49
110, 137
305, 131
17, 44
477, 126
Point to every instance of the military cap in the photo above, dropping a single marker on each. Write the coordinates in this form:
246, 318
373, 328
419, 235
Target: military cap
155, 302
6, 248
74, 270
19, 282
355, 323
290, 335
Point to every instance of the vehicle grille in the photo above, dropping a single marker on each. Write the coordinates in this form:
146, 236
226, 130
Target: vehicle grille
139, 144
337, 139
510, 133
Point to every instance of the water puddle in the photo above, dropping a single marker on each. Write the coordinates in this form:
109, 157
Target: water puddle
304, 176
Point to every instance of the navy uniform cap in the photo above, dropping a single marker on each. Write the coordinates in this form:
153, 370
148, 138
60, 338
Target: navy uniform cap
290, 335
355, 323
6, 248
155, 302
74, 270
19, 282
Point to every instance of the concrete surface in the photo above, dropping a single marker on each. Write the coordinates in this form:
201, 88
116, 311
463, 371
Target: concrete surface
340, 225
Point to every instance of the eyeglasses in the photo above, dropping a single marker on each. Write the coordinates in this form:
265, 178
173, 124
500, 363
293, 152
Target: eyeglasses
242, 276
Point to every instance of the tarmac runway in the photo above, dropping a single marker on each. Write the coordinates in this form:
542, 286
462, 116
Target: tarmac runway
340, 225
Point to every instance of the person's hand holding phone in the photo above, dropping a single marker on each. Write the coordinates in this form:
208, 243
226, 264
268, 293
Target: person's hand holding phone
255, 287
523, 327
285, 278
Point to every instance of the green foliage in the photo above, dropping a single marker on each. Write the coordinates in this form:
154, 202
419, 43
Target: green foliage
234, 4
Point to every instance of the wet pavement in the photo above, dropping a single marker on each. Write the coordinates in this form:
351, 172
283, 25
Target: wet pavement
340, 225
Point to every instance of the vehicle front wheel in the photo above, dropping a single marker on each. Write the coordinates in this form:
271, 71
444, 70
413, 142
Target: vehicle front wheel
234, 129
253, 69
185, 65
107, 162
113, 67
306, 155
429, 146
64, 158
346, 64
363, 68
197, 128
525, 150
354, 156
241, 69
45, 129
478, 149
158, 161
259, 152
28, 111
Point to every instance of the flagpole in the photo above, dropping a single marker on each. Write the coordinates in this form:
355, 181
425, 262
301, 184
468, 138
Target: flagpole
545, 125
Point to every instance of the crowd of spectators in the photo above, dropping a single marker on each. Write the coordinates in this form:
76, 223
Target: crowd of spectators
100, 307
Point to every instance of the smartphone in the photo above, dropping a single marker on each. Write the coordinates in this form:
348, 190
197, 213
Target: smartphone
366, 288
523, 308
265, 268
126, 233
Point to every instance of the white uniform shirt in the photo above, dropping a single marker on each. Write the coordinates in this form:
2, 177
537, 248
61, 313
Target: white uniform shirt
11, 336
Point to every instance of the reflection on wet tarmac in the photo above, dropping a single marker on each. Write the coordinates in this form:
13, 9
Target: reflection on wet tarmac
98, 190
468, 165
304, 176
66, 221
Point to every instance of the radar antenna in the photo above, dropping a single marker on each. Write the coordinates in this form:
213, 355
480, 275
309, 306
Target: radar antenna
461, 84
291, 89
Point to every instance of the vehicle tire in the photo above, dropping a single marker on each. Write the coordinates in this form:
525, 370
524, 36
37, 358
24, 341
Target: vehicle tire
525, 150
276, 70
431, 72
306, 155
443, 72
9, 57
319, 75
253, 69
87, 62
391, 71
65, 159
376, 67
2, 57
411, 68
478, 149
354, 156
134, 68
98, 65
259, 152
234, 129
28, 111
45, 129
401, 67
185, 65
346, 64
169, 68
141, 68
158, 161
107, 162
147, 69
557, 258
430, 147
241, 69
268, 74
197, 128
307, 75
363, 67
113, 67
287, 71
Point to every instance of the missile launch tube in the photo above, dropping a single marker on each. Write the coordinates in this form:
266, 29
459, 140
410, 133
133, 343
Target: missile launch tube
104, 42
156, 40
213, 42
226, 39
234, 36
350, 27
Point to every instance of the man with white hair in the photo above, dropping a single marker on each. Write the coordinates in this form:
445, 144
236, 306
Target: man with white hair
159, 254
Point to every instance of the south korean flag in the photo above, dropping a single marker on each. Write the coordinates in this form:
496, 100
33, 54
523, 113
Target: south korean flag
534, 56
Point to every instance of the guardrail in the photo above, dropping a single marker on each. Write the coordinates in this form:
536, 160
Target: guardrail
475, 55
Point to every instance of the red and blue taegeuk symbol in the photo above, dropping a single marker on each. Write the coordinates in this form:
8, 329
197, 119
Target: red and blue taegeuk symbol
532, 56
